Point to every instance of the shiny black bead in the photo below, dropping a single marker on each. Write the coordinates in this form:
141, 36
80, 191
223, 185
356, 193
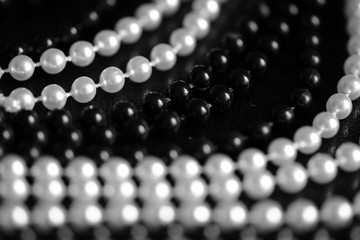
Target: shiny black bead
221, 97
90, 19
70, 135
218, 59
260, 131
262, 10
310, 78
17, 49
29, 151
136, 129
166, 150
100, 153
38, 135
63, 151
289, 8
92, 116
233, 142
123, 111
234, 42
59, 119
167, 122
25, 119
132, 152
6, 135
310, 40
310, 20
283, 115
310, 58
279, 27
43, 43
197, 110
301, 98
202, 148
69, 33
269, 44
179, 92
240, 79
200, 77
250, 27
256, 62
154, 103
102, 134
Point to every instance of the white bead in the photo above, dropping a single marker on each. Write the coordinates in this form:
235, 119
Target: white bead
340, 105
336, 212
327, 124
46, 167
266, 216
12, 166
21, 67
14, 189
356, 204
281, 151
197, 25
291, 178
151, 169
46, 216
353, 45
13, 216
116, 169
156, 215
251, 159
194, 190
302, 215
53, 97
120, 191
307, 139
184, 168
50, 190
225, 189
149, 16
23, 98
88, 190
193, 215
163, 56
322, 168
53, 61
350, 86
112, 79
129, 29
219, 165
85, 214
139, 69
82, 53
348, 157
259, 184
353, 26
230, 216
183, 41
107, 42
83, 89
119, 215
81, 168
209, 9
352, 9
155, 192
1, 72
168, 7
352, 65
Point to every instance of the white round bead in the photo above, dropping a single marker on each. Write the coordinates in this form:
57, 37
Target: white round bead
116, 169
194, 190
266, 216
209, 9
163, 56
88, 190
259, 184
12, 166
16, 189
219, 165
129, 29
83, 89
356, 204
281, 151
120, 191
352, 65
251, 159
53, 97
196, 24
353, 45
85, 214
348, 157
22, 98
155, 192
21, 67
46, 167
230, 216
322, 168
336, 212
13, 216
112, 79
149, 16
151, 169
353, 26
184, 168
119, 215
302, 215
168, 7
139, 69
340, 105
81, 168
193, 215
50, 190
291, 178
307, 139
350, 86
156, 215
183, 41
82, 53
53, 61
225, 189
46, 216
107, 42
327, 124
352, 9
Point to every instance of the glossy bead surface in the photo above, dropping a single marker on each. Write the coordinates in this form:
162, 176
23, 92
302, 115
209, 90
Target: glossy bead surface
120, 191
353, 45
266, 216
85, 214
116, 169
149, 16
310, 78
112, 80
129, 29
59, 118
218, 59
139, 69
81, 168
209, 9
13, 216
91, 116
197, 110
230, 216
50, 190
336, 212
291, 178
348, 157
340, 105
46, 167
352, 65
251, 160
281, 151
219, 166
12, 166
185, 167
168, 122
53, 61
193, 215
302, 215
283, 115
350, 86
88, 190
221, 97
168, 7
310, 58
200, 76
259, 184
322, 168
163, 56
301, 98
196, 24
151, 169
82, 53
136, 129
179, 92
327, 124
107, 42
156, 214
155, 192
21, 67
16, 189
191, 190
256, 62
48, 215
154, 103
234, 42
307, 139
260, 130
269, 44
83, 89
53, 97
124, 110
119, 215
21, 98
183, 41
225, 189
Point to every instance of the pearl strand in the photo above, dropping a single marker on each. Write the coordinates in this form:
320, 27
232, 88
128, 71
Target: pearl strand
139, 69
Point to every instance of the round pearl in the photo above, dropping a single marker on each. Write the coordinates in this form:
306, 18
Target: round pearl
336, 212
119, 215
193, 215
155, 192
356, 204
14, 189
168, 7
21, 67
183, 41
340, 105
112, 80
302, 215
82, 53
291, 178
350, 86
53, 190
194, 190
107, 42
139, 69
46, 216
155, 214
23, 98
83, 89
53, 61
327, 124
352, 9
266, 216
225, 189
348, 157
307, 139
116, 169
230, 216
219, 165
250, 160
12, 166
13, 215
353, 26
88, 190
353, 45
163, 56
121, 191
322, 168
81, 168
185, 168
151, 169
352, 65
197, 25
129, 29
149, 16
259, 184
209, 9
46, 167
281, 151
85, 214
53, 97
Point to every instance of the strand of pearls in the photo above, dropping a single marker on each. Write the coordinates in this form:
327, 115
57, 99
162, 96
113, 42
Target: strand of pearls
139, 69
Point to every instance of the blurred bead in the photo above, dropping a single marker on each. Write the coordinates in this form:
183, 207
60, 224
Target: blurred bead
256, 62
149, 16
233, 142
353, 45
250, 27
307, 140
16, 190
336, 212
81, 168
154, 103
266, 216
350, 86
234, 42
136, 129
103, 135
218, 59
352, 65
53, 61
155, 192
301, 99
12, 166
302, 215
225, 189
327, 124
46, 216
168, 122
82, 53
112, 80
311, 39
115, 169
292, 178
13, 216
45, 168
310, 78
209, 9
340, 105
107, 42
184, 167
139, 69
196, 24
356, 204
348, 157
191, 190
151, 169
129, 29
281, 151
310, 20
218, 166
88, 190
230, 216
119, 215
310, 58
83, 89
251, 160
269, 44
193, 215
158, 214
183, 41
91, 117
168, 7
85, 214
120, 191
259, 184
163, 56
279, 27
21, 67
59, 119
7, 135
53, 97
322, 168
124, 110
49, 190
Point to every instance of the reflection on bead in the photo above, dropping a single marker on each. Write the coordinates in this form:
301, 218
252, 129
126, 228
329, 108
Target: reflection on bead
327, 124
302, 215
353, 45
49, 190
159, 191
21, 67
350, 86
83, 89
107, 42
88, 190
340, 105
12, 166
194, 215
13, 216
184, 168
155, 214
53, 61
322, 168
281, 151
266, 216
81, 168
258, 184
353, 26
151, 169
22, 98
119, 215
209, 9
168, 7
194, 190
225, 189
183, 41
348, 157
291, 178
230, 216
196, 24
46, 216
356, 204
149, 16
336, 212
46, 167
14, 189
122, 191
219, 165
307, 139
129, 29
82, 53
53, 97
85, 214
251, 159
139, 69
352, 65
116, 169
164, 57
112, 79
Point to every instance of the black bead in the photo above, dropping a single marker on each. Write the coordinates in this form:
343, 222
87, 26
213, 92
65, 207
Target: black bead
310, 20
123, 111
70, 135
17, 49
221, 97
310, 78
289, 8
269, 44
6, 135
154, 103
69, 33
2, 150
301, 98
25, 119
92, 116
102, 134
283, 115
43, 43
200, 76
250, 27
38, 135
136, 129
279, 27
262, 10
59, 119
166, 150
233, 142
63, 151
132, 152
167, 122
100, 153
179, 92
310, 39
197, 110
234, 42
240, 79
218, 59
310, 58
260, 131
202, 148
29, 151
90, 19
256, 62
